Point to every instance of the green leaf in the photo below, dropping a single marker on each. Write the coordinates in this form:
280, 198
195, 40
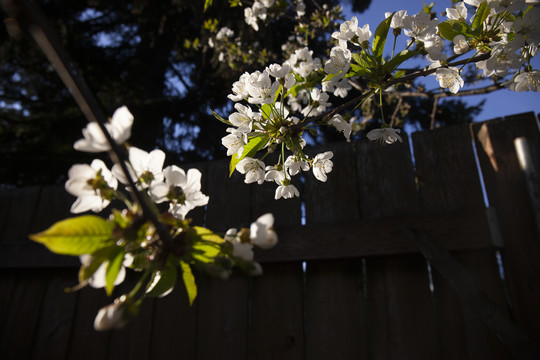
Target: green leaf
225, 121
162, 282
113, 269
364, 60
398, 60
266, 110
357, 70
76, 236
250, 149
189, 282
208, 235
399, 74
380, 38
206, 244
449, 29
481, 15
207, 4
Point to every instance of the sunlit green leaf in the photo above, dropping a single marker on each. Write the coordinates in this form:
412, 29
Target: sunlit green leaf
399, 74
364, 60
266, 110
207, 235
189, 282
76, 236
357, 70
162, 282
250, 149
113, 269
398, 60
380, 38
206, 244
449, 29
481, 15
207, 4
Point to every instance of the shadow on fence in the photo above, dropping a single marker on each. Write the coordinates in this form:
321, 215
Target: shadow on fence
344, 281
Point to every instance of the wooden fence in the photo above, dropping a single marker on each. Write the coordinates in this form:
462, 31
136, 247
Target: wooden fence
344, 282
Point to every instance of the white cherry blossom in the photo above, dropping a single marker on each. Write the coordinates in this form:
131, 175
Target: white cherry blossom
287, 191
363, 34
341, 125
294, 165
527, 81
340, 61
119, 127
274, 174
458, 12
347, 30
279, 71
322, 165
261, 232
461, 46
319, 103
98, 278
239, 90
243, 250
144, 167
449, 78
253, 169
91, 185
112, 316
420, 26
385, 135
235, 141
182, 190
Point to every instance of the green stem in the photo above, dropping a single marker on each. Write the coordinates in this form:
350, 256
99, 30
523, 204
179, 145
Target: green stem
139, 284
283, 159
394, 47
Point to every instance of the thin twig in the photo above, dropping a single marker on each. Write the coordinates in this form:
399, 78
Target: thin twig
28, 17
396, 110
433, 112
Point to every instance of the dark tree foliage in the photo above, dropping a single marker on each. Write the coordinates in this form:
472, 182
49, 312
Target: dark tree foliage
153, 57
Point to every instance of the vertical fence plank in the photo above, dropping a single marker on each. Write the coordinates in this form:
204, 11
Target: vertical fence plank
23, 206
277, 295
400, 308
87, 343
335, 321
448, 180
5, 203
174, 326
133, 341
222, 305
507, 192
277, 313
57, 315
21, 323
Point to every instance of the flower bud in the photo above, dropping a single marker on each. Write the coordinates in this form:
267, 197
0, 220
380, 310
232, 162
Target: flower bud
255, 269
115, 315
262, 233
461, 46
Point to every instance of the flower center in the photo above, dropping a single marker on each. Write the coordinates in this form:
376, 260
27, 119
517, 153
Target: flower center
176, 195
146, 177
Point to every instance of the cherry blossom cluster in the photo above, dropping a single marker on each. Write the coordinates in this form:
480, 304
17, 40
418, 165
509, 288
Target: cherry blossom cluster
258, 11
273, 124
285, 100
134, 241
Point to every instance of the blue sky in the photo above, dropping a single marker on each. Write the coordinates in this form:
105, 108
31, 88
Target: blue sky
498, 104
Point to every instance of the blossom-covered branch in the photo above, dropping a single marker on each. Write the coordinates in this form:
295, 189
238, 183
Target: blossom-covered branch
285, 101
